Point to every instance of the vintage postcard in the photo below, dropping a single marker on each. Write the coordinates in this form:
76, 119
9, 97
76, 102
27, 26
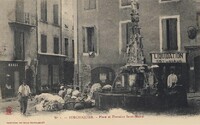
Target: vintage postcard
99, 62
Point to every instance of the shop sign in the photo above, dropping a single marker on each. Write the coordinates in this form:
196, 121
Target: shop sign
12, 65
178, 57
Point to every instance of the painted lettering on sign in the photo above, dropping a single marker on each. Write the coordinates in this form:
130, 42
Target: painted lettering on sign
169, 57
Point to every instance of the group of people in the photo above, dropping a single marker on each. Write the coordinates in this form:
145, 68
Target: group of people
70, 93
154, 82
67, 93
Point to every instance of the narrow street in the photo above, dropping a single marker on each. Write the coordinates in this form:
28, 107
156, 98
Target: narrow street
192, 109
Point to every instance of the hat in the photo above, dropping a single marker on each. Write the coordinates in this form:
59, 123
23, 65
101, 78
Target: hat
141, 68
154, 66
62, 87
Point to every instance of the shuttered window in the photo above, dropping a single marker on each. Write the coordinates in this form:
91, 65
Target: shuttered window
125, 2
19, 45
56, 45
169, 34
44, 10
126, 32
89, 40
66, 46
43, 43
55, 13
89, 4
20, 11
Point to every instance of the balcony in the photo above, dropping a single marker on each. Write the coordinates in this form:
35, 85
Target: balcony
23, 20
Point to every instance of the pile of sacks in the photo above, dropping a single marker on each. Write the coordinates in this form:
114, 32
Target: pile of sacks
76, 100
48, 102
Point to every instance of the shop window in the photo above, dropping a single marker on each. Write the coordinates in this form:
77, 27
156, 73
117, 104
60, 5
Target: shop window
44, 75
89, 40
169, 34
56, 45
125, 3
66, 46
89, 4
44, 10
19, 45
43, 43
55, 13
55, 74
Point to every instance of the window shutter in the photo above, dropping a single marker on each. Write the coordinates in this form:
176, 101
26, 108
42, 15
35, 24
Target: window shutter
92, 4
20, 11
128, 32
55, 13
90, 38
95, 39
124, 36
56, 45
83, 39
22, 45
43, 43
66, 46
164, 35
86, 4
173, 34
17, 44
73, 48
45, 10
42, 9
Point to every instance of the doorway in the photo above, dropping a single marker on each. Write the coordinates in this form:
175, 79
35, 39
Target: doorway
16, 81
68, 72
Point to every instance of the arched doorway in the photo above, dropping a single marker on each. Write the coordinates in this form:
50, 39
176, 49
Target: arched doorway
197, 73
103, 75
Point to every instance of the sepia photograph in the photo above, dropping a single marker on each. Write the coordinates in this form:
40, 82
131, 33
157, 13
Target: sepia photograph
99, 62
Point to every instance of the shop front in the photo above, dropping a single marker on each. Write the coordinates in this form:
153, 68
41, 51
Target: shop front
50, 73
11, 75
194, 63
168, 61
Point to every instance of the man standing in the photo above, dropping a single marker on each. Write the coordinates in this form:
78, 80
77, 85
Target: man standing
171, 79
24, 92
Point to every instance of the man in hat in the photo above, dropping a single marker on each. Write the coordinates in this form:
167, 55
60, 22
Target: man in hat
24, 92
